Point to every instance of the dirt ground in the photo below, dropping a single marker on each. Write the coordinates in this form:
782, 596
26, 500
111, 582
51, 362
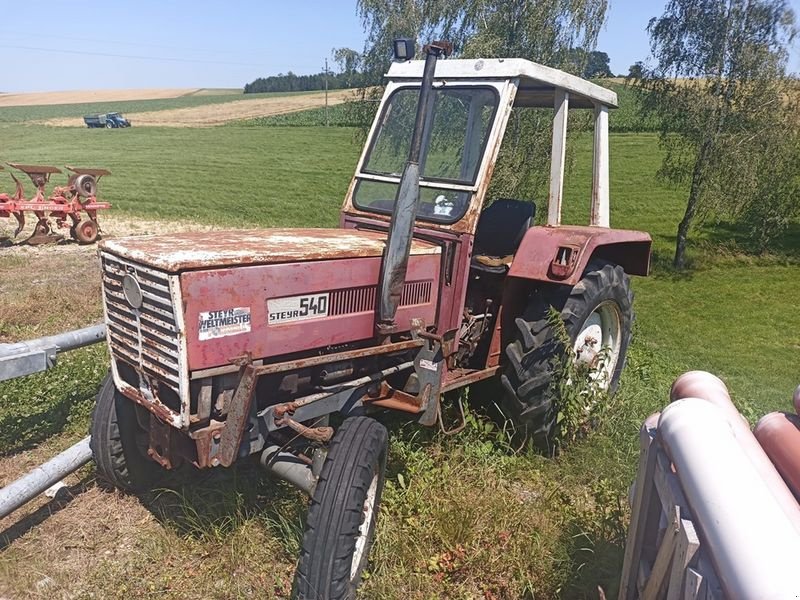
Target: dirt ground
49, 544
78, 97
36, 282
217, 114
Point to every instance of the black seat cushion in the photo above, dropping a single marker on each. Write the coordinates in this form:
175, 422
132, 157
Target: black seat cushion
502, 225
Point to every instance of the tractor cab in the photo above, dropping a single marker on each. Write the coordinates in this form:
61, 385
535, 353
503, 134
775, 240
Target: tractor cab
467, 117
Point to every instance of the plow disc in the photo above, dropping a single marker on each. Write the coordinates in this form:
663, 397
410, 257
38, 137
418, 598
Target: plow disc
74, 206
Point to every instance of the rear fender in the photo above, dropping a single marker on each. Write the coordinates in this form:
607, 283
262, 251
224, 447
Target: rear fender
561, 254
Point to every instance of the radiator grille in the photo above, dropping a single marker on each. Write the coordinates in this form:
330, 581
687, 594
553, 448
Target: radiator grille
146, 338
362, 299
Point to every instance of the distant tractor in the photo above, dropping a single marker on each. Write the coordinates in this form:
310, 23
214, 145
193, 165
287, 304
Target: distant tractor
108, 120
281, 343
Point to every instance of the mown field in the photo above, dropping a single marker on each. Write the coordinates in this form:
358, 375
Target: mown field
463, 516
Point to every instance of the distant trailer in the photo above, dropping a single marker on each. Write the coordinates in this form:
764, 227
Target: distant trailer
108, 120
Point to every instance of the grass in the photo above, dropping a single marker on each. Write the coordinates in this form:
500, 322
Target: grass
227, 175
463, 517
21, 114
338, 115
626, 118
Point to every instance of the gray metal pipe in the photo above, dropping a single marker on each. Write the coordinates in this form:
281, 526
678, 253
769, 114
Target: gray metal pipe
289, 468
26, 488
33, 356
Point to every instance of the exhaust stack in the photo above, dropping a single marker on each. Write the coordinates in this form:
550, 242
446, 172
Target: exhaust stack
401, 227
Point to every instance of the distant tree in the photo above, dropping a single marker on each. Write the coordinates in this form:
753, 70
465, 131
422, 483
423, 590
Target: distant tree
540, 31
635, 71
598, 64
728, 112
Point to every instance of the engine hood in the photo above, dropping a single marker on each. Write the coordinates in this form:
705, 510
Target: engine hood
203, 250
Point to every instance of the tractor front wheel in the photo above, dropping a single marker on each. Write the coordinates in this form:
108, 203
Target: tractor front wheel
118, 442
343, 512
598, 317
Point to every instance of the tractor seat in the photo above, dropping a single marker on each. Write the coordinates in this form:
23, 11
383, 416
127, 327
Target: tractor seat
501, 227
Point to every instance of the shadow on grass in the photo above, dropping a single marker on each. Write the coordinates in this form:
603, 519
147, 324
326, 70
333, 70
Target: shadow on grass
596, 564
211, 505
19, 432
36, 407
62, 499
734, 238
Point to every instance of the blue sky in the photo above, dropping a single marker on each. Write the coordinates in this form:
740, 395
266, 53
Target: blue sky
48, 45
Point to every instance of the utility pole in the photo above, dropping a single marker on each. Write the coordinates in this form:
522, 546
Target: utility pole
327, 120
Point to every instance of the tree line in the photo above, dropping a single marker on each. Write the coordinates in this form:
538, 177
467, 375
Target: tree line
290, 82
351, 73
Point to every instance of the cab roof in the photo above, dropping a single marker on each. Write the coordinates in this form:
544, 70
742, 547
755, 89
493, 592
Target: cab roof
537, 83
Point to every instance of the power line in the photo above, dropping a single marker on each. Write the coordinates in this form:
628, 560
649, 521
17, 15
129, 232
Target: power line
7, 34
112, 55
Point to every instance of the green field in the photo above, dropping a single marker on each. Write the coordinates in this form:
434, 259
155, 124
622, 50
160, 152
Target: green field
463, 517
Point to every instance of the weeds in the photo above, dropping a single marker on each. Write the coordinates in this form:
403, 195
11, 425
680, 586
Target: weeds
579, 388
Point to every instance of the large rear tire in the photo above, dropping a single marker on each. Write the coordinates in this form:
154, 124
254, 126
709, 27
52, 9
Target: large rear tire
598, 315
344, 509
117, 442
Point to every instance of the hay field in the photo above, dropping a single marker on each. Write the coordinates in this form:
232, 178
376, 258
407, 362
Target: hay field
86, 96
208, 115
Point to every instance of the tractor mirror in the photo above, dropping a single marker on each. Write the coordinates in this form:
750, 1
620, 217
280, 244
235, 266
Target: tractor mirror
403, 49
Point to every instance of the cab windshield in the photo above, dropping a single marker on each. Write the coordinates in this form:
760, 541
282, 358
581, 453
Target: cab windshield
458, 124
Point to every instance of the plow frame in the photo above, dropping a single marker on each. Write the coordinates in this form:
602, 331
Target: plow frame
65, 204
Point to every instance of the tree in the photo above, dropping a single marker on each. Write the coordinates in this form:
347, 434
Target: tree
636, 71
598, 64
349, 62
728, 112
544, 32
589, 64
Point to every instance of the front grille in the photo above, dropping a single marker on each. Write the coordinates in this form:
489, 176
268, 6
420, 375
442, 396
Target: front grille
362, 299
147, 338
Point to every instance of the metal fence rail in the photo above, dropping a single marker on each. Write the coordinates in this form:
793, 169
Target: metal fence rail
26, 488
34, 356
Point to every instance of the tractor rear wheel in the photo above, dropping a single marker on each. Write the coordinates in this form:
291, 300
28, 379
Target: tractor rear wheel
598, 316
344, 510
118, 442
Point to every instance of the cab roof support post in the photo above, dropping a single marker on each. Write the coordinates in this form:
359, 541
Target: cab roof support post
600, 183
561, 107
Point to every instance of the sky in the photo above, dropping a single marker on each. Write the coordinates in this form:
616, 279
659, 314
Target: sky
52, 45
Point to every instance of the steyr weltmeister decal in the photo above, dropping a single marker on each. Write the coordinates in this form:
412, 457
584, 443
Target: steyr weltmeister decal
220, 323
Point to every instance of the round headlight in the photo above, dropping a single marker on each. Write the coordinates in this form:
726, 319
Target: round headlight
132, 291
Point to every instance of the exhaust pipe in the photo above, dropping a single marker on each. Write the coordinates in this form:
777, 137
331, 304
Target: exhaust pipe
401, 227
289, 468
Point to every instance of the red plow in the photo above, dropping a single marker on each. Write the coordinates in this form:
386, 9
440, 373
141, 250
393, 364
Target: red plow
73, 206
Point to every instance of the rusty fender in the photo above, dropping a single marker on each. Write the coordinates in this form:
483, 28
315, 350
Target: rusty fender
560, 254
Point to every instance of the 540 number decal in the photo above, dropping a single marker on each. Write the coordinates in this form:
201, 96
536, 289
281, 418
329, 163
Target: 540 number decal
297, 308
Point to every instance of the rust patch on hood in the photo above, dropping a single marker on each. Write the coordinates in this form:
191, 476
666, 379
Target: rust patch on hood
201, 250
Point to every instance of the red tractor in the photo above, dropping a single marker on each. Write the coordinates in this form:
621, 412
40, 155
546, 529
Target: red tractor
283, 342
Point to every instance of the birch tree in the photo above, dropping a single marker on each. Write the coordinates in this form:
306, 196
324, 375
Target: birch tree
728, 112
